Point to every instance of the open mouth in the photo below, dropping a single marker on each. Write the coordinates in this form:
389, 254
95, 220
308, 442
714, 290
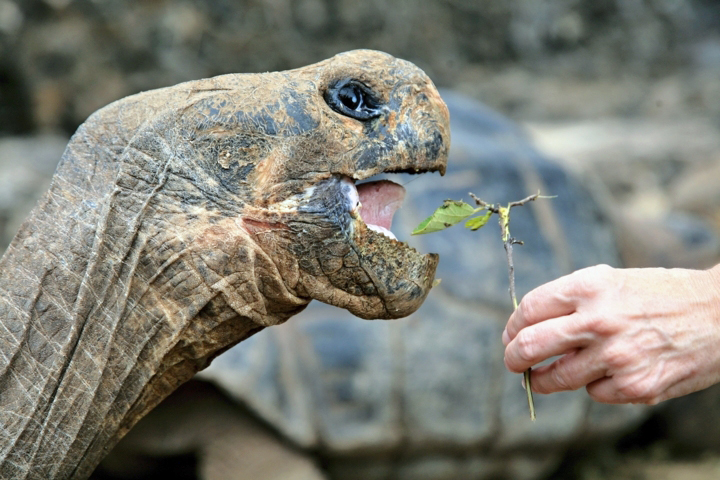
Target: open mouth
375, 203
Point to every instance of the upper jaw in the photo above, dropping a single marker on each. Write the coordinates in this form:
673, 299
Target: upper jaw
423, 157
413, 153
400, 167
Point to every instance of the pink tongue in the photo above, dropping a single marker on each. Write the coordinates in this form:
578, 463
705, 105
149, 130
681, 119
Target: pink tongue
379, 201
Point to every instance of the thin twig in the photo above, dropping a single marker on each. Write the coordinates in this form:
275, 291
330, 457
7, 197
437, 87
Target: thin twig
529, 198
504, 220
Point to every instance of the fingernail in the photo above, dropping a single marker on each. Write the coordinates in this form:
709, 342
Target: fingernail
522, 382
505, 337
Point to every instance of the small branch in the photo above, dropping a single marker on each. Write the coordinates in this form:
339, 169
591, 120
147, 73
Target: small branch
530, 198
504, 220
511, 273
481, 203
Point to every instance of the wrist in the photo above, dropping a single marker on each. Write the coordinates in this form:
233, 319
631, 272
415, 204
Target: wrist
713, 287
714, 278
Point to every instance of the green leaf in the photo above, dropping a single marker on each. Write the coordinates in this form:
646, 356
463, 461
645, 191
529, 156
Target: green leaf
478, 222
450, 213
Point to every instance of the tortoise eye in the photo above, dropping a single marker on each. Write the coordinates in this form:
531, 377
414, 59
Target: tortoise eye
351, 96
353, 99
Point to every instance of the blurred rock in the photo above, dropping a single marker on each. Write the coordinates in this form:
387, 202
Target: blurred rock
26, 165
698, 191
631, 156
707, 53
675, 241
659, 180
639, 161
73, 56
11, 18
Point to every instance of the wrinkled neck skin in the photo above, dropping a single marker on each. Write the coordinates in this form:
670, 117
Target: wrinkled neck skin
114, 293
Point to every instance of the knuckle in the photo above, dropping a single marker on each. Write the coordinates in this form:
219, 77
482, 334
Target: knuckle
598, 395
589, 322
528, 304
617, 357
561, 377
594, 394
525, 346
602, 272
590, 281
636, 391
603, 268
599, 324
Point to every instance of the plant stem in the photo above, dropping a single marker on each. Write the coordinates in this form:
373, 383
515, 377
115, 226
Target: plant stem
504, 220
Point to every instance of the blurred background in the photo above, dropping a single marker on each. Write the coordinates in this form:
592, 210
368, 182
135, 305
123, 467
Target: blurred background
623, 94
534, 60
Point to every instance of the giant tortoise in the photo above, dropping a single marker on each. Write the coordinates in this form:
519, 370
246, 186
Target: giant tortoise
426, 397
183, 220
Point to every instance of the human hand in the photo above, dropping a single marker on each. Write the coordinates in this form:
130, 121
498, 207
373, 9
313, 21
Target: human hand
627, 335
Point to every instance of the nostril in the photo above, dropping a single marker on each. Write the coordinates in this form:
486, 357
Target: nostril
435, 145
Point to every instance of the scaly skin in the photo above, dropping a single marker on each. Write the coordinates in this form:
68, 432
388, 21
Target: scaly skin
183, 220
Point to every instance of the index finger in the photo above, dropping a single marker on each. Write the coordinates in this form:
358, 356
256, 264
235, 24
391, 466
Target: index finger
554, 299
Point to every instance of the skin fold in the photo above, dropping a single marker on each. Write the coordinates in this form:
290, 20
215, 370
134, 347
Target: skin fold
626, 335
181, 221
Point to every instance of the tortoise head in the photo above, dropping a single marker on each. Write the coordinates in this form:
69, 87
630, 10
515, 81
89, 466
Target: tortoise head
291, 147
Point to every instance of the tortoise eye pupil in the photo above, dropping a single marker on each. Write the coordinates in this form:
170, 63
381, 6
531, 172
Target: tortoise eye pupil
351, 97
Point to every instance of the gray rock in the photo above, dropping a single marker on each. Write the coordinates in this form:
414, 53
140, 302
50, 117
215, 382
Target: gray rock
698, 191
26, 165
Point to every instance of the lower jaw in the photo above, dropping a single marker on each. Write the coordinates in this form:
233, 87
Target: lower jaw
402, 276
